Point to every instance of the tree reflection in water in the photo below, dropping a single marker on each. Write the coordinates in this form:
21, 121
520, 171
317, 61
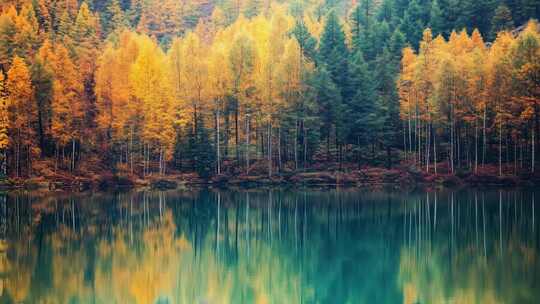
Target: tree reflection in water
270, 246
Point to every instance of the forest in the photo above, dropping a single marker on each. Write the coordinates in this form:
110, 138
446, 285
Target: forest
229, 87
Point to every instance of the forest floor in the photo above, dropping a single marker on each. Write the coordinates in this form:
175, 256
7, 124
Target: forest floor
92, 175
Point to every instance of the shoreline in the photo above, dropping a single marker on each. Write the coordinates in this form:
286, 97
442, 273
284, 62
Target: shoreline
372, 177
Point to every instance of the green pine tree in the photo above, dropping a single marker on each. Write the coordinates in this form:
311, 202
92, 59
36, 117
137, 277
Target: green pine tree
502, 21
411, 24
436, 19
362, 110
113, 18
333, 53
307, 42
388, 123
326, 94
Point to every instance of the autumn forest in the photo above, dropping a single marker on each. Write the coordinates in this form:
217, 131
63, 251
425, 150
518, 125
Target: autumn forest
264, 87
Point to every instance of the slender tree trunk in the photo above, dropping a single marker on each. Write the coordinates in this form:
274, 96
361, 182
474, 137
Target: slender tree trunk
56, 156
484, 137
4, 162
72, 154
305, 144
247, 144
475, 146
500, 149
296, 145
160, 162
428, 144
435, 151
270, 149
218, 143
18, 155
410, 131
279, 148
532, 151
236, 133
131, 149
515, 157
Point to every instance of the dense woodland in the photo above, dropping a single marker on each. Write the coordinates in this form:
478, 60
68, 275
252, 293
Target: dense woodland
237, 86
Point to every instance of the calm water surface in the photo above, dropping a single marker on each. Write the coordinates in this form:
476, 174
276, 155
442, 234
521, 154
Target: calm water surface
271, 246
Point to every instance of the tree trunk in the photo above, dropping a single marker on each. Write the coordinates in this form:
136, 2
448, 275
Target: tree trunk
72, 154
279, 148
428, 144
435, 151
500, 149
131, 149
475, 146
236, 133
532, 150
247, 144
305, 145
296, 145
270, 149
56, 156
218, 143
484, 137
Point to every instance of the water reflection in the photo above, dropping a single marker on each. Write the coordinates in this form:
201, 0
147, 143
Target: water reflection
272, 246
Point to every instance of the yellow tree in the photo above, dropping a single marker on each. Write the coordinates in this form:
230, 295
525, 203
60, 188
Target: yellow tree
176, 64
67, 110
241, 61
194, 74
150, 85
290, 70
105, 92
219, 80
407, 91
270, 37
499, 83
23, 112
525, 58
27, 37
426, 67
118, 112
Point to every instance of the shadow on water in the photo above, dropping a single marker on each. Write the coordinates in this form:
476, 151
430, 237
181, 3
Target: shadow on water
271, 246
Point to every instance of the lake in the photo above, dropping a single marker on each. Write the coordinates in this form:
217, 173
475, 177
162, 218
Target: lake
271, 246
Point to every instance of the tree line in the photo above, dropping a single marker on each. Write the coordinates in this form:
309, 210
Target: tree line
221, 87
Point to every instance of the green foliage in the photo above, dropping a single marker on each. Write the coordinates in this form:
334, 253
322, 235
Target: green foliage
113, 18
306, 41
362, 110
502, 20
436, 18
333, 53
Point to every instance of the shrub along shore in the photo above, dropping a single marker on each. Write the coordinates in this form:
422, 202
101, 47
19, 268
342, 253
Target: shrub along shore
349, 175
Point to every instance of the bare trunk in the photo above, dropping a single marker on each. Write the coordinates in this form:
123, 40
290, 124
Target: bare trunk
296, 145
532, 150
428, 145
270, 149
131, 149
72, 155
476, 146
236, 133
305, 144
500, 149
279, 148
247, 144
435, 151
218, 144
484, 137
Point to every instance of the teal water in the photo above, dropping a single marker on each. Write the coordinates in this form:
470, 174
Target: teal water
271, 246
